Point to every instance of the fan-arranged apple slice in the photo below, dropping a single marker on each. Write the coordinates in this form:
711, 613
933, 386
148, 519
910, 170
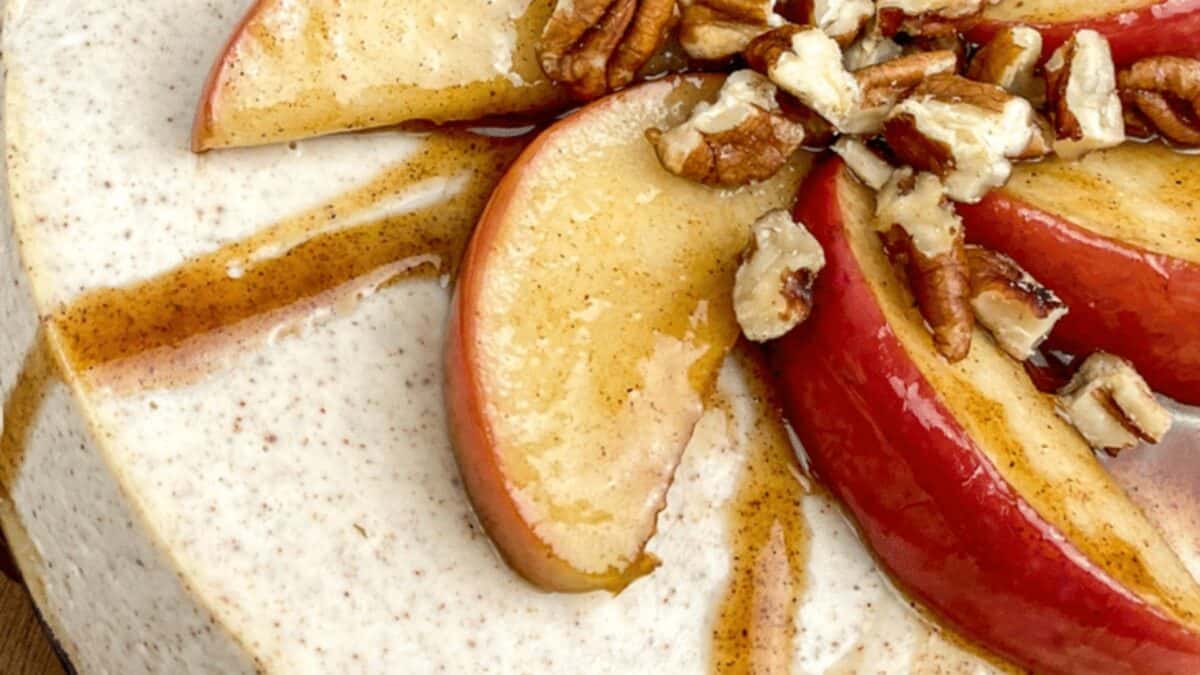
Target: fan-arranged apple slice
591, 316
974, 494
1117, 236
1135, 28
298, 69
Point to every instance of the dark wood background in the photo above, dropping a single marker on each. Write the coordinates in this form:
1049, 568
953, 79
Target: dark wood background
24, 649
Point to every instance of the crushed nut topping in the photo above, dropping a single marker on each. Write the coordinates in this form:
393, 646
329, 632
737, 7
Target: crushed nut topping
923, 237
841, 20
964, 131
1011, 304
772, 293
741, 138
712, 30
1166, 91
1111, 405
925, 17
807, 63
874, 171
1010, 61
1081, 92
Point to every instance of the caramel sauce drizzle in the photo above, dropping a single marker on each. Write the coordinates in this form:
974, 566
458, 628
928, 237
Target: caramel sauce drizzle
298, 258
755, 629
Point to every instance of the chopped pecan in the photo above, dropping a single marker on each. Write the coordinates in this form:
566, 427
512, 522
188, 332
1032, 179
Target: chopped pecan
1081, 93
1010, 61
842, 20
807, 63
817, 132
741, 138
1019, 312
772, 292
872, 48
595, 46
885, 84
962, 130
926, 17
1166, 91
1111, 405
874, 171
923, 238
712, 30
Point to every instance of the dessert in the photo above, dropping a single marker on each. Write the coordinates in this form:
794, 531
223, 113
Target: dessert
471, 395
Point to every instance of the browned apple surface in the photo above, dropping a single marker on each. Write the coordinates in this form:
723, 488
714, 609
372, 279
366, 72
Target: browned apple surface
592, 315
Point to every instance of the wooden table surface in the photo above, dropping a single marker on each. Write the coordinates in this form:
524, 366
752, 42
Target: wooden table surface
24, 649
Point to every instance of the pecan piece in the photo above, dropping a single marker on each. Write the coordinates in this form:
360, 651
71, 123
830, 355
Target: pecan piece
1112, 406
595, 46
871, 169
1081, 93
807, 63
712, 30
772, 292
1010, 61
923, 237
1166, 91
872, 48
1019, 312
885, 84
926, 17
842, 20
741, 138
964, 131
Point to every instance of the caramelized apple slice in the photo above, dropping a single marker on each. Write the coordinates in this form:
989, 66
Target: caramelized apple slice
975, 495
1117, 236
298, 69
1135, 28
592, 315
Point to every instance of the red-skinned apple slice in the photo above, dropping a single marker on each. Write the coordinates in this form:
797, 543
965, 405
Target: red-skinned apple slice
978, 499
1135, 28
1117, 236
592, 314
296, 69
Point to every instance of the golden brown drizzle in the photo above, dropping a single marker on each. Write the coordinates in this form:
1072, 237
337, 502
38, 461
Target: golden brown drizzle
312, 255
755, 628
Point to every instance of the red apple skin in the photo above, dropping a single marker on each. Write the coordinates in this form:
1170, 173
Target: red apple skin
938, 515
206, 110
1170, 28
1140, 305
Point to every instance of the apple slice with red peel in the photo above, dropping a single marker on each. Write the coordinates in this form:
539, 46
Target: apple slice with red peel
1135, 29
980, 501
297, 69
591, 317
1117, 236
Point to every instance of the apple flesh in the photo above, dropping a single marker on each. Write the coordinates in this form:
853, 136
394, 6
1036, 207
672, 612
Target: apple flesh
1135, 29
1117, 237
975, 496
297, 69
590, 319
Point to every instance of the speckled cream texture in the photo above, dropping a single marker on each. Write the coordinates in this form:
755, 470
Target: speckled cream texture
298, 508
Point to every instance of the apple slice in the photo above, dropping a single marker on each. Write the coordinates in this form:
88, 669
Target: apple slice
591, 317
1117, 236
979, 500
1135, 28
298, 69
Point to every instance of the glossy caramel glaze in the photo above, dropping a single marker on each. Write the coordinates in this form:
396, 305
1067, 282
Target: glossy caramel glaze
300, 257
755, 628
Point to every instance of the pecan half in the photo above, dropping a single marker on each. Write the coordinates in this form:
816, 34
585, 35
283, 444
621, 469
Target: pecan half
1166, 91
964, 131
1081, 94
772, 292
1010, 61
1019, 312
741, 138
712, 30
1112, 406
923, 237
595, 46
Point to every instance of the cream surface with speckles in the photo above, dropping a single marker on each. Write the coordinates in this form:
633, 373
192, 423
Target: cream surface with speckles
297, 509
